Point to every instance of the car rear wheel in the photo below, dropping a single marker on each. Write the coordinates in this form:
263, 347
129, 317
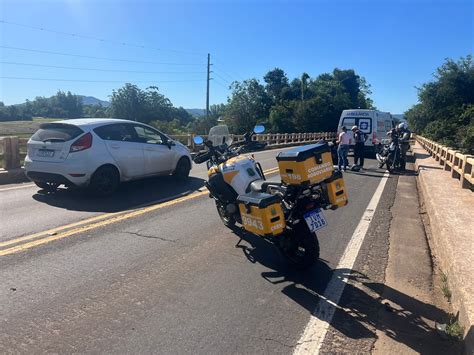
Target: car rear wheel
182, 168
47, 186
105, 181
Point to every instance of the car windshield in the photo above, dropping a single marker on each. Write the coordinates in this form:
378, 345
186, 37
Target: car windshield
56, 132
219, 135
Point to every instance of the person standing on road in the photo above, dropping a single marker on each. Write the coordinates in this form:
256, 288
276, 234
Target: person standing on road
344, 140
404, 141
359, 146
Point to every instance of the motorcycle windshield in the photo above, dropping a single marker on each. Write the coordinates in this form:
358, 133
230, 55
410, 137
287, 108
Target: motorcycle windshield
219, 135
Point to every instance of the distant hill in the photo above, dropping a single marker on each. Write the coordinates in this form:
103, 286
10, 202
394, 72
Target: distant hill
91, 100
86, 100
197, 112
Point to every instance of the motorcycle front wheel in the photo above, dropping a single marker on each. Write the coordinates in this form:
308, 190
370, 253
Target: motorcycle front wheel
228, 220
300, 246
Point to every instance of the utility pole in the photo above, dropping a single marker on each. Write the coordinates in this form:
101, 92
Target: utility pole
208, 79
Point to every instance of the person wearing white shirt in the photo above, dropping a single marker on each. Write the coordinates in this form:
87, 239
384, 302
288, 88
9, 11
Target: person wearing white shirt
344, 139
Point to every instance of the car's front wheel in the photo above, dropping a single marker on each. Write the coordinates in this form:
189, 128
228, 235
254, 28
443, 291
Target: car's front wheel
182, 168
47, 186
105, 181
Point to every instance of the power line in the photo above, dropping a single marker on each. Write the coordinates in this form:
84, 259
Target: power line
102, 40
221, 77
99, 81
92, 57
224, 73
102, 70
231, 76
220, 84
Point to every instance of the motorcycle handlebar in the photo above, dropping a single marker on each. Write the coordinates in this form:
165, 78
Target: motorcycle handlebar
230, 151
202, 157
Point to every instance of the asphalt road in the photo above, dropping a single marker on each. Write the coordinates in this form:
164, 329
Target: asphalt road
26, 209
168, 280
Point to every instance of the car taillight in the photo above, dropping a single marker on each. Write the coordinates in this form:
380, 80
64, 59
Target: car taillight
83, 143
374, 138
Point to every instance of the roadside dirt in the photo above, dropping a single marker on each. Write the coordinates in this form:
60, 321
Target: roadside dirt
413, 303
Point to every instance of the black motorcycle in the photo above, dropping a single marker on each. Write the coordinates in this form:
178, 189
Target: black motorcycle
389, 155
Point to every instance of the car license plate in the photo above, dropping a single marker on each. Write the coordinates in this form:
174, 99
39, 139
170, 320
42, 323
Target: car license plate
315, 220
47, 153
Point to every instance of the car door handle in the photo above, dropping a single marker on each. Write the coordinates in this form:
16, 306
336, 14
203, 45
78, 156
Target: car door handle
149, 149
115, 146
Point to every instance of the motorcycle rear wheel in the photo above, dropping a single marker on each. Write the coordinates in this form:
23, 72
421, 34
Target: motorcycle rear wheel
228, 220
300, 246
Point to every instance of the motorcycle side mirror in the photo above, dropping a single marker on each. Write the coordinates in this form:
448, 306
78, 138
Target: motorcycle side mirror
259, 129
198, 140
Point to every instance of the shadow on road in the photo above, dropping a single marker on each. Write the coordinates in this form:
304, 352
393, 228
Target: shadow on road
129, 195
361, 310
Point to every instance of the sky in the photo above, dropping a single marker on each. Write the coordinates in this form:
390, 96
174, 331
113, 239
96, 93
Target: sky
396, 45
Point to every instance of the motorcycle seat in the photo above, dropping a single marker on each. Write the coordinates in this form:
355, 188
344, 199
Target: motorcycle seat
262, 185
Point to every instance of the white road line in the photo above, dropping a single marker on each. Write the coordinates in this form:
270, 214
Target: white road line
318, 325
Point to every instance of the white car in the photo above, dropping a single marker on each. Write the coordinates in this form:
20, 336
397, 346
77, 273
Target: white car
100, 153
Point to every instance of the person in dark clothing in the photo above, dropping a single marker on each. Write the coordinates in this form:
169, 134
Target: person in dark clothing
404, 141
359, 145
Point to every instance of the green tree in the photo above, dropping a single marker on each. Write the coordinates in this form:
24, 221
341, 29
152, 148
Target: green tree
282, 117
276, 82
65, 105
445, 109
132, 103
248, 104
128, 102
156, 106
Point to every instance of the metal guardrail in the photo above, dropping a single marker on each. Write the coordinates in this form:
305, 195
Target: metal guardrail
13, 149
460, 165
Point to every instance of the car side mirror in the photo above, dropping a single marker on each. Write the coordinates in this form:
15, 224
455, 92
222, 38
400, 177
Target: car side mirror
170, 143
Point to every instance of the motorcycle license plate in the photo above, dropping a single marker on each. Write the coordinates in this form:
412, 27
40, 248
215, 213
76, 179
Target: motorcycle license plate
315, 220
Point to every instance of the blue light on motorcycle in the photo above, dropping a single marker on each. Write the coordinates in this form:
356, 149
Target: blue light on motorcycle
259, 129
198, 140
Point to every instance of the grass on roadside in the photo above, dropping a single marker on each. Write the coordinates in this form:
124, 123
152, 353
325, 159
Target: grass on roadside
444, 287
23, 129
454, 328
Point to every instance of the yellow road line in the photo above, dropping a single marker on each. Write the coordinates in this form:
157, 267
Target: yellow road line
101, 221
59, 229
89, 227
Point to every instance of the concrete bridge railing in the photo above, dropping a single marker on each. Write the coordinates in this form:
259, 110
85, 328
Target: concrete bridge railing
460, 165
13, 149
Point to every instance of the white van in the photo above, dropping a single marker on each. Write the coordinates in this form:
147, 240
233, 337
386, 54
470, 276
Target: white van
374, 123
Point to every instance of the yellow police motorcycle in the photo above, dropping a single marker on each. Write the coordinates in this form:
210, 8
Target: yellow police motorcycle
286, 213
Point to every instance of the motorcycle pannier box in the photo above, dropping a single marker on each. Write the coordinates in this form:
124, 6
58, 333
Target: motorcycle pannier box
261, 214
306, 165
336, 190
